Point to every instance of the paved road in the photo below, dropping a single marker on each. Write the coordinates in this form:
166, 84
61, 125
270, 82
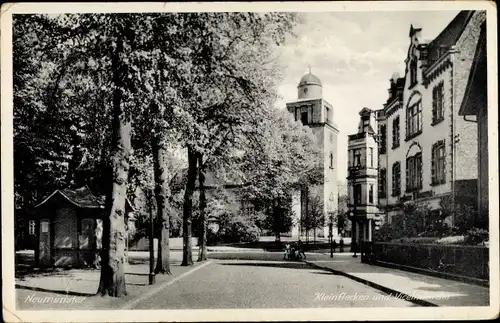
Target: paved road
264, 280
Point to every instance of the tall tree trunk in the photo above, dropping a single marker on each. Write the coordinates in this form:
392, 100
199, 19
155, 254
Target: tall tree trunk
202, 239
112, 280
162, 192
187, 254
277, 221
75, 160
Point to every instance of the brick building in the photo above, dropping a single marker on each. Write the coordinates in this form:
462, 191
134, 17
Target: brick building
427, 150
474, 108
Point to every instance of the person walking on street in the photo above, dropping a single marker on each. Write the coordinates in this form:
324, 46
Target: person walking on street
341, 245
300, 249
334, 245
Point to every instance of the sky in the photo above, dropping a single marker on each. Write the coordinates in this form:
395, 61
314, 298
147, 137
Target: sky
354, 55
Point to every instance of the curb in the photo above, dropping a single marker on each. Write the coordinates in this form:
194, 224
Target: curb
463, 279
387, 290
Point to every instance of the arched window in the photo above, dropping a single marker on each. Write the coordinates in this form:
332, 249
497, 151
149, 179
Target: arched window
414, 168
414, 172
331, 160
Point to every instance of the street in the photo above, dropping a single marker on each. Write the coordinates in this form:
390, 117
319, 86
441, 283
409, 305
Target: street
262, 280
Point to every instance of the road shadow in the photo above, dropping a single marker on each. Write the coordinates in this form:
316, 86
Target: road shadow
290, 265
273, 246
22, 273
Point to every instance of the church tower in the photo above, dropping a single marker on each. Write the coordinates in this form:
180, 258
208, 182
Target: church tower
313, 111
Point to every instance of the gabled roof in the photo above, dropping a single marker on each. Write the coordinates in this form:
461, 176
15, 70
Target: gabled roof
477, 82
365, 111
81, 197
449, 36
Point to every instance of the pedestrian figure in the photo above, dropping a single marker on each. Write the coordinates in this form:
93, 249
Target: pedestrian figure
334, 245
341, 245
288, 252
300, 249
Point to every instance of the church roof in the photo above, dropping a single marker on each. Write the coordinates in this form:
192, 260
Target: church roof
309, 78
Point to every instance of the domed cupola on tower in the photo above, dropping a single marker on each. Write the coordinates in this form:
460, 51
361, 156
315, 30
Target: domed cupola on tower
310, 87
312, 111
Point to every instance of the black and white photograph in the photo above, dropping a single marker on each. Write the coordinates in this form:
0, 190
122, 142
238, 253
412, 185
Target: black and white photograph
249, 161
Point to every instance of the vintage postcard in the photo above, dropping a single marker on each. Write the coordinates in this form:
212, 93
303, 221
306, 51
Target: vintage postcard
249, 161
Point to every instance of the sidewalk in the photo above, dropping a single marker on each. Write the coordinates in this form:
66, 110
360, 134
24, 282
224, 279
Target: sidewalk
420, 289
76, 288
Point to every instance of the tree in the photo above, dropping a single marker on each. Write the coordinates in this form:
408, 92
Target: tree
415, 218
315, 215
114, 47
285, 160
202, 237
228, 82
341, 215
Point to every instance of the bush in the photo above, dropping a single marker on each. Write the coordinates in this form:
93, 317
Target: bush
476, 236
451, 240
241, 231
384, 234
419, 240
232, 230
212, 238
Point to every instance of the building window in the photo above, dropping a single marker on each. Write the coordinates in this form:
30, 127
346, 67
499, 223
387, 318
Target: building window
304, 117
357, 194
396, 179
438, 103
370, 194
414, 120
438, 174
382, 182
395, 133
327, 113
32, 227
331, 160
382, 130
414, 172
357, 157
371, 157
413, 72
